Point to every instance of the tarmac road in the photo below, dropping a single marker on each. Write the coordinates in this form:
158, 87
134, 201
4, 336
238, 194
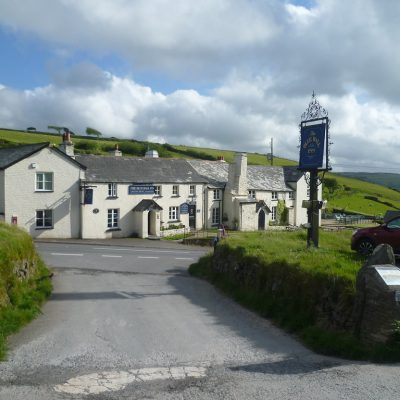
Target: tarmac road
128, 322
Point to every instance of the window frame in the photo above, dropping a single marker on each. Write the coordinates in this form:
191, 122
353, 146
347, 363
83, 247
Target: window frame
44, 181
112, 190
252, 193
112, 218
216, 216
274, 195
173, 213
273, 213
43, 218
192, 190
216, 194
175, 190
291, 196
157, 190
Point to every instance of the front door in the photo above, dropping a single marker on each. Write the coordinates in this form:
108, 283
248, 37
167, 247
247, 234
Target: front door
261, 220
192, 216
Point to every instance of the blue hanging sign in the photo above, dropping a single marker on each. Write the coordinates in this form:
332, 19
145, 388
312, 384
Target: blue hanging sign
88, 196
141, 189
312, 146
184, 208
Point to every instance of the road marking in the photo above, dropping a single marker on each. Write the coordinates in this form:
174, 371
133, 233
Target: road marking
183, 258
148, 257
109, 381
142, 250
126, 295
67, 254
110, 256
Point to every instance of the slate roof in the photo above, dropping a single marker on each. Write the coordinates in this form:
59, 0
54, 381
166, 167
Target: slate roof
147, 205
138, 170
259, 177
11, 155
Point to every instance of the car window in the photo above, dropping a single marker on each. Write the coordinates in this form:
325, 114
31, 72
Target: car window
394, 224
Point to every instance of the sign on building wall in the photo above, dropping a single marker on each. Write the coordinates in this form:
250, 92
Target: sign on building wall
88, 196
141, 189
184, 208
312, 146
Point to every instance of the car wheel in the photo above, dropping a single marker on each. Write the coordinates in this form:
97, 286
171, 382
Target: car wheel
365, 247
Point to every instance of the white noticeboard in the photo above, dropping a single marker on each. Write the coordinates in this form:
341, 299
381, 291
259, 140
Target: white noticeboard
390, 275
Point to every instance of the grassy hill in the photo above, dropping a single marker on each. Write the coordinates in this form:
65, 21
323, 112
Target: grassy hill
343, 193
381, 178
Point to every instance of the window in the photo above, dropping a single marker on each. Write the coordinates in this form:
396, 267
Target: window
216, 194
112, 217
291, 195
273, 213
252, 194
308, 192
175, 190
274, 195
215, 216
44, 219
173, 213
112, 190
157, 190
44, 181
192, 190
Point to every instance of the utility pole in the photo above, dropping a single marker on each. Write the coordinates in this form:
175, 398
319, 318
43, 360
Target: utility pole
270, 155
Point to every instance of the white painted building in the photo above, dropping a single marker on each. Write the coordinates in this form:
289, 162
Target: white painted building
52, 193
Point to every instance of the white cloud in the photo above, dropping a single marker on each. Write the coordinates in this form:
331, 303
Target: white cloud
260, 59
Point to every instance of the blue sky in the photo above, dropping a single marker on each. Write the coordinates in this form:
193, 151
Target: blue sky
220, 73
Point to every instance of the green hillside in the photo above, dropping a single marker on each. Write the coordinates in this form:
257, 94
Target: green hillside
343, 193
382, 178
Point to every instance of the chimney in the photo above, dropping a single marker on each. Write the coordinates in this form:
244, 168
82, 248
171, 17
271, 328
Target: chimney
67, 146
116, 152
237, 175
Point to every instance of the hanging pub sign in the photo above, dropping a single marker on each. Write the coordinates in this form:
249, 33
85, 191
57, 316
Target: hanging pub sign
88, 196
141, 189
312, 147
184, 208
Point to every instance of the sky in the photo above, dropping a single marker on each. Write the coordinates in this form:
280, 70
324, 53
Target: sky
227, 74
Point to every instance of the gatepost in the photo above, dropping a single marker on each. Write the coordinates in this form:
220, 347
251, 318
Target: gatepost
314, 158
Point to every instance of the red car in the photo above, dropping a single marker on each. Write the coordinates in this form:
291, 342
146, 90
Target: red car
364, 240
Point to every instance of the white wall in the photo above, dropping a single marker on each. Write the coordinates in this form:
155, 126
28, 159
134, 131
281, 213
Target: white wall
22, 199
95, 224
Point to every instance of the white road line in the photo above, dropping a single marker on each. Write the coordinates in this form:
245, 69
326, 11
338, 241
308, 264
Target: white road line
66, 254
142, 250
125, 295
147, 257
110, 256
183, 258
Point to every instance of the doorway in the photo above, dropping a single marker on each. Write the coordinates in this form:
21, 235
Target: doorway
192, 216
261, 220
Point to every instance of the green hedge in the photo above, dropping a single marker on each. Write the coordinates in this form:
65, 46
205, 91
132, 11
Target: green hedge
24, 281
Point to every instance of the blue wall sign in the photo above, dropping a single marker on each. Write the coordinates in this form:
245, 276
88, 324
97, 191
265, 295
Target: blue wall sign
312, 147
141, 189
88, 196
184, 208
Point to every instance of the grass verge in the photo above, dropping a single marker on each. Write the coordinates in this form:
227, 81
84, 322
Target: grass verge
309, 292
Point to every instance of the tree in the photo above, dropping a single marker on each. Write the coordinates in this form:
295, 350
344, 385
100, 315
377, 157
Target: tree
56, 128
93, 132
